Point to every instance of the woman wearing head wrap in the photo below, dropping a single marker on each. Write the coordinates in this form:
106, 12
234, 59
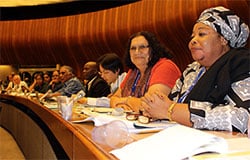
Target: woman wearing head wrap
213, 91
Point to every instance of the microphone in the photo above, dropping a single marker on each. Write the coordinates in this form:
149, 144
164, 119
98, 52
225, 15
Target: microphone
79, 95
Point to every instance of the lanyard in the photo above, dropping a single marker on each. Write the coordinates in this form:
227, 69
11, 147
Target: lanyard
183, 97
135, 83
144, 87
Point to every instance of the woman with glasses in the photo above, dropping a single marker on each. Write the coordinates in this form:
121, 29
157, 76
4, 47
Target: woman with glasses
111, 70
150, 69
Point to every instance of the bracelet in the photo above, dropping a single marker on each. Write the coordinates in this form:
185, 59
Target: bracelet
170, 111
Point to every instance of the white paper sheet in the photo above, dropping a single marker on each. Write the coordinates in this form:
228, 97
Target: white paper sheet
238, 149
174, 143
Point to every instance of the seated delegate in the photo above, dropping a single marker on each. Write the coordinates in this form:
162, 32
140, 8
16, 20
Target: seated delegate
18, 85
150, 69
71, 84
55, 84
9, 81
213, 91
38, 84
95, 86
47, 77
111, 70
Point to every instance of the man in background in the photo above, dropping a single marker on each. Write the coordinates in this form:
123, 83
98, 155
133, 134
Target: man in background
95, 86
71, 84
18, 85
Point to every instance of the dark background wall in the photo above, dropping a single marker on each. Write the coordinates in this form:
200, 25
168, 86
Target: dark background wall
80, 36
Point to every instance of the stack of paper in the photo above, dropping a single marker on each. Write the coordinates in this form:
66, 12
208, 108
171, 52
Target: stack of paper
174, 143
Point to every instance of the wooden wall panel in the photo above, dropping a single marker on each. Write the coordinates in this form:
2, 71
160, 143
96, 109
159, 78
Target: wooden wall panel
73, 40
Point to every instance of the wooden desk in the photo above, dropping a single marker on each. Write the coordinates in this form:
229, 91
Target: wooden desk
33, 124
43, 134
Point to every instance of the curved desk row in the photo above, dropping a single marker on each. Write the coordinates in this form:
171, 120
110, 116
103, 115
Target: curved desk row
42, 133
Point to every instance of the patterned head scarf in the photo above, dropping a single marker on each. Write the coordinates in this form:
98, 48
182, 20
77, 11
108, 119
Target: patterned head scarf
227, 24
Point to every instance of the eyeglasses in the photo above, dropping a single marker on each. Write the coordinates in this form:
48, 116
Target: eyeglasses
55, 75
104, 72
135, 116
140, 48
131, 116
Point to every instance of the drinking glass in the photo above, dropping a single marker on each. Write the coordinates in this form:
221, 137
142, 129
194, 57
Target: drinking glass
65, 105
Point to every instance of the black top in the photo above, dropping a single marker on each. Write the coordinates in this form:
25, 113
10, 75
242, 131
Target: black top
56, 86
42, 89
98, 88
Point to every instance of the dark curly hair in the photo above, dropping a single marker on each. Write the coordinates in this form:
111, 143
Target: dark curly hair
157, 50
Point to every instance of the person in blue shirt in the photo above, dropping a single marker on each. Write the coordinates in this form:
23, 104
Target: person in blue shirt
71, 84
